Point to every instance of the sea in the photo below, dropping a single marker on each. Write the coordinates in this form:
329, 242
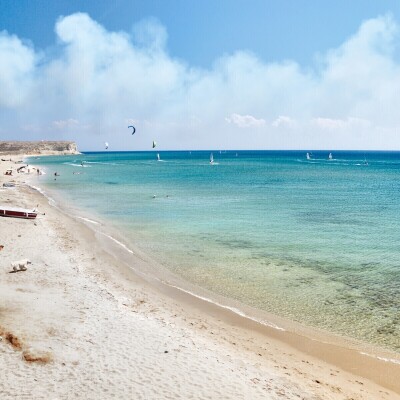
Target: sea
314, 240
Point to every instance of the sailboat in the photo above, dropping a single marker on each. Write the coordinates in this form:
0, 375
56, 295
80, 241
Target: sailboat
308, 156
211, 158
158, 157
330, 156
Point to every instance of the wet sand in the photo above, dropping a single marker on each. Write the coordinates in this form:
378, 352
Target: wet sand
88, 320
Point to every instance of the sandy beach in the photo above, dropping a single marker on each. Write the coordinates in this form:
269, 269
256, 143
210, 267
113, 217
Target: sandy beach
80, 323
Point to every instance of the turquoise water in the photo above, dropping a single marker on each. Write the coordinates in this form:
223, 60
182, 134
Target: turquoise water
316, 240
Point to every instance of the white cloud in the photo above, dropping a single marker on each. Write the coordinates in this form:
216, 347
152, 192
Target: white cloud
62, 124
335, 124
284, 121
98, 82
149, 33
17, 63
245, 121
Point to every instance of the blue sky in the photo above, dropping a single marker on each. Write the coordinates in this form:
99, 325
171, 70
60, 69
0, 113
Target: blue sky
201, 31
201, 74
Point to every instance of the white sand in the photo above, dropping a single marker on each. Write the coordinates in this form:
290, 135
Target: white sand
96, 331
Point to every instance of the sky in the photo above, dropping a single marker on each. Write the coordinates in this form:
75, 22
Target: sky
227, 74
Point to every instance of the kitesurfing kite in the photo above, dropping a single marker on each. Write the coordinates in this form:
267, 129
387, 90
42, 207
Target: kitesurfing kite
134, 129
154, 144
106, 145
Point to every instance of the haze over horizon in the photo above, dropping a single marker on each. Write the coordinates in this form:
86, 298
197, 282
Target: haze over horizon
85, 73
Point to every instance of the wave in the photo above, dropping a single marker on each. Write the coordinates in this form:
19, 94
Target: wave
99, 162
391, 360
233, 309
41, 191
89, 220
77, 165
117, 241
331, 162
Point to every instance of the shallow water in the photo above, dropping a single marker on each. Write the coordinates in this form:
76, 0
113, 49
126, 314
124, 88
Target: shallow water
313, 240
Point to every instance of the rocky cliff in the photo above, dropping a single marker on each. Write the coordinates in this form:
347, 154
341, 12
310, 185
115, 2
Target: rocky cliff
43, 147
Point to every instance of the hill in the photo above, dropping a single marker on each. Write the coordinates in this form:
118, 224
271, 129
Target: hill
42, 147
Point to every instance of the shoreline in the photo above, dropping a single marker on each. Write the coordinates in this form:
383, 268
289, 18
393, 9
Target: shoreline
159, 276
300, 357
328, 346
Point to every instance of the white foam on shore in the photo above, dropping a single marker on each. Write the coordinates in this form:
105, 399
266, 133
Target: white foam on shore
390, 360
233, 309
41, 170
89, 220
206, 299
117, 241
51, 201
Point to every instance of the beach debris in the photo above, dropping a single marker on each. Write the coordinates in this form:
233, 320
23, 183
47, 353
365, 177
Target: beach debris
28, 354
133, 129
10, 338
8, 184
13, 340
20, 265
37, 356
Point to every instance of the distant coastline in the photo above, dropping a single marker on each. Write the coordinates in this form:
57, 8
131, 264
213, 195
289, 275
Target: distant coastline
61, 147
